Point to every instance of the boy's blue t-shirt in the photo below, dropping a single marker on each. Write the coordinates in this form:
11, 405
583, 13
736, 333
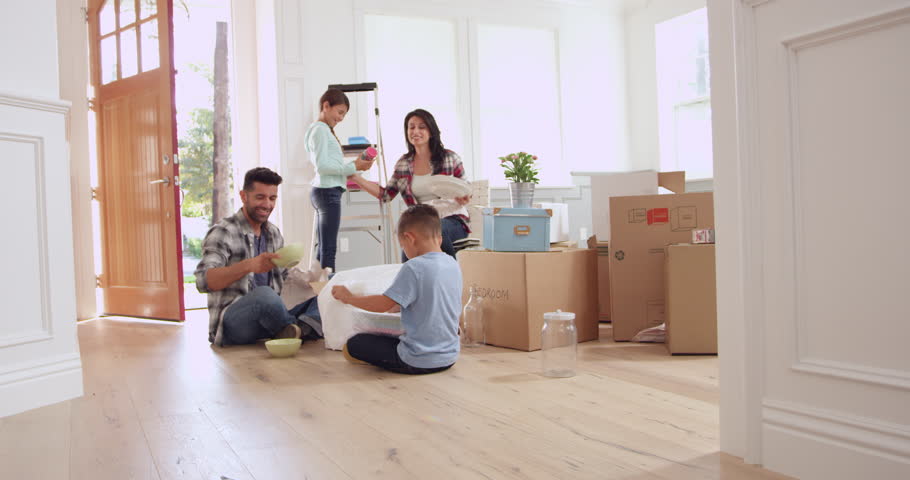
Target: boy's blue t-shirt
428, 288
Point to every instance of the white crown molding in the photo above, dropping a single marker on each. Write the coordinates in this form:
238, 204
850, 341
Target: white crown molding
34, 103
884, 438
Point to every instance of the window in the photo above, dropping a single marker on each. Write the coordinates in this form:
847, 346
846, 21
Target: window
684, 96
518, 99
413, 62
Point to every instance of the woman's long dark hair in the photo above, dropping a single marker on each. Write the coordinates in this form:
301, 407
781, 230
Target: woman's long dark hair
437, 149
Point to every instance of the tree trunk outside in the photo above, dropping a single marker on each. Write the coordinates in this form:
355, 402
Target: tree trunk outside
221, 167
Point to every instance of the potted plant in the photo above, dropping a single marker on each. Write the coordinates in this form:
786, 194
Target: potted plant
520, 169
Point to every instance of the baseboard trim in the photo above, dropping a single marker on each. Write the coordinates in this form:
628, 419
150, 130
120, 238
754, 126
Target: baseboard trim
33, 385
858, 433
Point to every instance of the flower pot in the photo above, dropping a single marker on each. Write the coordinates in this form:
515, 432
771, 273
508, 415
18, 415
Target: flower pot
522, 194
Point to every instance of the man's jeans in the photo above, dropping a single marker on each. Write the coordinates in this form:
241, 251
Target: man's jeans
261, 314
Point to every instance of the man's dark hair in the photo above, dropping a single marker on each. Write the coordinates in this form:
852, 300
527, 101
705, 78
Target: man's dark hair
421, 219
262, 175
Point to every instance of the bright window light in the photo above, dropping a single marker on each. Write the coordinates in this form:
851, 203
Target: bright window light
684, 96
413, 62
518, 98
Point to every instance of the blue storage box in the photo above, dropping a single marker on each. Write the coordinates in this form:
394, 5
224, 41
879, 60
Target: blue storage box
516, 229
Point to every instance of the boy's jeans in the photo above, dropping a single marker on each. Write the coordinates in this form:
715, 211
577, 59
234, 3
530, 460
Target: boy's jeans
261, 314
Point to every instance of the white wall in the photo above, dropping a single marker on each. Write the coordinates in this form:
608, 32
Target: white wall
39, 354
317, 44
727, 200
74, 80
642, 76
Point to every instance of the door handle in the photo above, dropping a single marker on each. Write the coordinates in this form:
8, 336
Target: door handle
166, 181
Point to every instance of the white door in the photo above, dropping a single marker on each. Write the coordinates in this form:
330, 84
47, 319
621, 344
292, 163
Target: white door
824, 96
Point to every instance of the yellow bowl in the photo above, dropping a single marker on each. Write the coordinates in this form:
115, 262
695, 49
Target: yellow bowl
283, 347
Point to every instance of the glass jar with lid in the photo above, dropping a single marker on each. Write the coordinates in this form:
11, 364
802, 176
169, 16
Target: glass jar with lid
558, 344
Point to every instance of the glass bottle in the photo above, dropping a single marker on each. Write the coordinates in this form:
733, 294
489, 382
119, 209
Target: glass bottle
558, 344
472, 328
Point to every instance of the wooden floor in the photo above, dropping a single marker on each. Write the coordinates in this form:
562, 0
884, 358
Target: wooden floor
160, 403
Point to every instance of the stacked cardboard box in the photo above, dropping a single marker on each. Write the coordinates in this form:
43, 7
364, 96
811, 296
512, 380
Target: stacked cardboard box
518, 288
641, 227
603, 277
691, 298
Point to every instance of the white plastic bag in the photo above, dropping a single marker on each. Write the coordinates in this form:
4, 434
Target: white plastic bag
339, 321
656, 334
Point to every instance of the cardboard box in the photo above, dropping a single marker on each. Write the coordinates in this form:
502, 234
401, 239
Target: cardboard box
641, 228
691, 299
518, 288
623, 184
603, 277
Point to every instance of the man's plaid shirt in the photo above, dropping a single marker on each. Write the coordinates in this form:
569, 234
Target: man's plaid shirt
229, 242
404, 175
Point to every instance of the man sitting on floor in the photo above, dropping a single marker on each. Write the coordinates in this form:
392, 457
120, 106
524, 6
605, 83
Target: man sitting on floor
243, 283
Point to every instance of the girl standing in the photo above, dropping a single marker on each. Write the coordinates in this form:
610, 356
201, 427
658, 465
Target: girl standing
331, 172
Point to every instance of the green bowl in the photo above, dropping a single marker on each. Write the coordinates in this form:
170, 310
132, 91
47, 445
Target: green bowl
289, 255
283, 347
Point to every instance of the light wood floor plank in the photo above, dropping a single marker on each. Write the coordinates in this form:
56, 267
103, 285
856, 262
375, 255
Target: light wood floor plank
160, 403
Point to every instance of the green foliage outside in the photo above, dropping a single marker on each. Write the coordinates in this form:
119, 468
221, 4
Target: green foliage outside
193, 247
196, 148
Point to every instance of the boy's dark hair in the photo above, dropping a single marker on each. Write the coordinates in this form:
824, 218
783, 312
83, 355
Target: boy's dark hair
262, 175
422, 219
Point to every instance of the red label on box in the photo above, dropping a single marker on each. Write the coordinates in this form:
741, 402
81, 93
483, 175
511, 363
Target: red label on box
658, 215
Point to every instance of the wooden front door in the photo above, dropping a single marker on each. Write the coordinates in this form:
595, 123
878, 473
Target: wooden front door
133, 78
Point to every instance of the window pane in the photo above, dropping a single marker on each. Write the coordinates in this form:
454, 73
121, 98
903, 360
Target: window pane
693, 140
129, 62
127, 12
109, 59
413, 62
149, 31
148, 8
519, 100
683, 85
106, 18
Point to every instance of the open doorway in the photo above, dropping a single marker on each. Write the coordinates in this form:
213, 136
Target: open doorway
202, 57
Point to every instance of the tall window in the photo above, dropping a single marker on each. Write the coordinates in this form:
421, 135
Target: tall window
413, 61
518, 98
684, 96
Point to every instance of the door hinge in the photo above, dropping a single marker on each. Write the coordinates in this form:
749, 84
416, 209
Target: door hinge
84, 13
98, 281
95, 193
90, 103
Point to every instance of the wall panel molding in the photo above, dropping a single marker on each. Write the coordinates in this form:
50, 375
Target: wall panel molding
45, 332
793, 46
886, 439
34, 103
854, 371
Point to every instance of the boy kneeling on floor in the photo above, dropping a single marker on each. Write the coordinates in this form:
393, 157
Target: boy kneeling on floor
428, 291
